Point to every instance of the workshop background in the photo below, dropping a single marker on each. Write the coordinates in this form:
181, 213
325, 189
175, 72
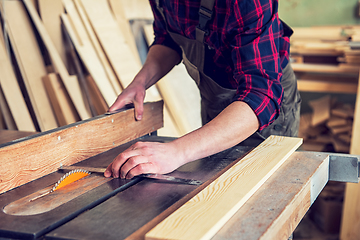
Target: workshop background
93, 48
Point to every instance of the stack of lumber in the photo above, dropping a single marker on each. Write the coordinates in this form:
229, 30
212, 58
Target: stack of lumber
64, 61
328, 127
324, 60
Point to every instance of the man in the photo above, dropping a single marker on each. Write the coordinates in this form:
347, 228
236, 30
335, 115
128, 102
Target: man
237, 51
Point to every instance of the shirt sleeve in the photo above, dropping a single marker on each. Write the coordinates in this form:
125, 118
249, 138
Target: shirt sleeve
256, 39
162, 37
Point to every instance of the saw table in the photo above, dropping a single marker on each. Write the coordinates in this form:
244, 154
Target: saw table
106, 208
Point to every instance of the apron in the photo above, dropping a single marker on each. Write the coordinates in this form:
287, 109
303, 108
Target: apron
215, 98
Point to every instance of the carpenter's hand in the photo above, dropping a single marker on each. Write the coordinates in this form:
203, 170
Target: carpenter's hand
134, 93
145, 157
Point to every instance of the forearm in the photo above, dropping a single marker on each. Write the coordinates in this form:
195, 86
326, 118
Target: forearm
160, 60
233, 125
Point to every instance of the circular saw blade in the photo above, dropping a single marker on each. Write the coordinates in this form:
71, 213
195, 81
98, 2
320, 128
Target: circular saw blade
70, 177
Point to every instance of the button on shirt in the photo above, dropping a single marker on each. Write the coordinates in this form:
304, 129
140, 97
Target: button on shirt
246, 47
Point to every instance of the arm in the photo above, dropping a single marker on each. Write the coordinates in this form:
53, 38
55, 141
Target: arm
233, 125
160, 60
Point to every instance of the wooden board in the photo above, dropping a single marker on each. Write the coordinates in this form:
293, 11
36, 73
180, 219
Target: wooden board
118, 52
30, 62
203, 215
63, 107
50, 11
321, 110
100, 52
5, 111
70, 82
118, 9
350, 224
42, 154
13, 95
137, 9
321, 86
86, 51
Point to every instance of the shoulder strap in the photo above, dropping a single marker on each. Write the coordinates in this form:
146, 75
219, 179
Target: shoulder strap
205, 15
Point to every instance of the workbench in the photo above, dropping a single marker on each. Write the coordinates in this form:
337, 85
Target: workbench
128, 209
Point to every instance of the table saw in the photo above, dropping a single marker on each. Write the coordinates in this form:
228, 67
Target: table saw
106, 208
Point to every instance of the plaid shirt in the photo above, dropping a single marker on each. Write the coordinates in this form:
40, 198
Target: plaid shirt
246, 44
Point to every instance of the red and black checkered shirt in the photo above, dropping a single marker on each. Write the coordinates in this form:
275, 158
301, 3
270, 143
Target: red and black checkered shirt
246, 44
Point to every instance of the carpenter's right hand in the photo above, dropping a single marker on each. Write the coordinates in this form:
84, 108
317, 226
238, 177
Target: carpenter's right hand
134, 93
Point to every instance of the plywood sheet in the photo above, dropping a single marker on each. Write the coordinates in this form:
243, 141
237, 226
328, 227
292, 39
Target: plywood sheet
30, 159
203, 215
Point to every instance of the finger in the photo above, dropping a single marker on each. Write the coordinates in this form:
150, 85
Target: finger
119, 103
131, 163
108, 171
139, 106
140, 169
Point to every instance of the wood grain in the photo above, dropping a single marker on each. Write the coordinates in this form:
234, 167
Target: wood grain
70, 82
27, 160
205, 214
63, 107
13, 95
30, 62
50, 11
84, 47
100, 52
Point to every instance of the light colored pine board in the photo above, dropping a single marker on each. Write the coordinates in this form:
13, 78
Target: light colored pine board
71, 85
100, 52
50, 11
30, 61
323, 68
329, 87
180, 94
120, 16
13, 95
275, 210
137, 9
118, 52
350, 223
29, 159
63, 107
203, 215
83, 45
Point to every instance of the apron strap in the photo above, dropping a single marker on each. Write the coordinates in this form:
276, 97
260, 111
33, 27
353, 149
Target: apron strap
205, 15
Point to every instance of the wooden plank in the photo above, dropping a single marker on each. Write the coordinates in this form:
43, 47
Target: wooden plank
70, 82
30, 62
100, 52
203, 215
13, 95
118, 52
137, 9
119, 12
275, 210
323, 68
321, 86
350, 223
180, 94
63, 107
50, 11
27, 160
96, 98
86, 51
11, 135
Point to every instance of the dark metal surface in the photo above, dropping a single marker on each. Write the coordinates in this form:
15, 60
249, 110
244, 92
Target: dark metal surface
107, 213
